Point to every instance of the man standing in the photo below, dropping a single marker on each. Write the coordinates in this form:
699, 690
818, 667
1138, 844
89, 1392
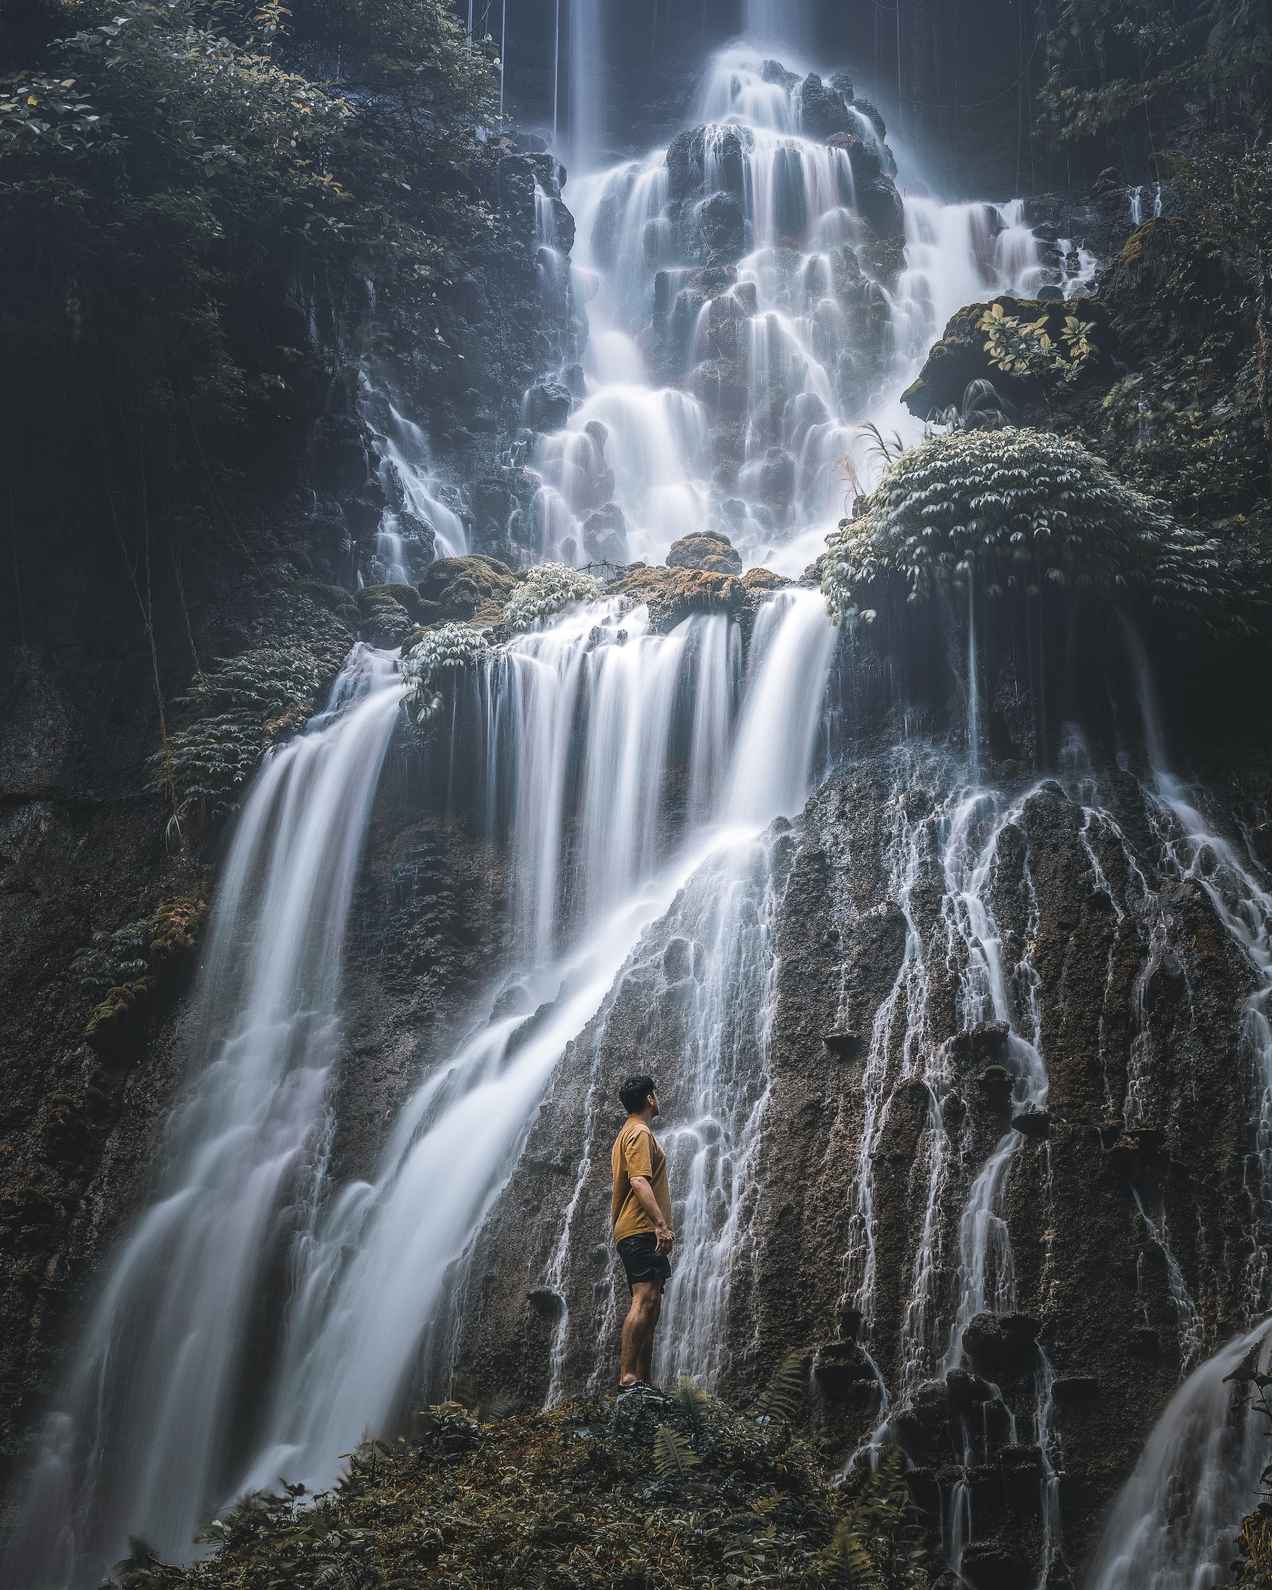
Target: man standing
640, 1210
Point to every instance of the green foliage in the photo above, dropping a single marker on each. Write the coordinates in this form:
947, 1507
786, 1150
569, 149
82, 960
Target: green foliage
1017, 510
1114, 63
694, 1404
236, 711
674, 1458
546, 590
881, 1544
591, 1496
432, 665
783, 1397
1026, 348
171, 185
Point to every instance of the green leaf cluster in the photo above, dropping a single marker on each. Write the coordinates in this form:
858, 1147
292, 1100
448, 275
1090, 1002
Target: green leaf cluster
1113, 64
1026, 347
1016, 511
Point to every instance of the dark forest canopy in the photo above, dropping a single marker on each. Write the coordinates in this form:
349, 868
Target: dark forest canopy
176, 176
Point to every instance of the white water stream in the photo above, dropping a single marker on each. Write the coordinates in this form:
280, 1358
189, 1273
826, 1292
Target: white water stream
189, 1385
802, 373
580, 728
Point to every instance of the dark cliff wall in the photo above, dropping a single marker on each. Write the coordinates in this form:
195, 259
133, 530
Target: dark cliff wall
1140, 993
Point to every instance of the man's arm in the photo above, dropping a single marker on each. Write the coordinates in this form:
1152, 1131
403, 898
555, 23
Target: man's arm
645, 1198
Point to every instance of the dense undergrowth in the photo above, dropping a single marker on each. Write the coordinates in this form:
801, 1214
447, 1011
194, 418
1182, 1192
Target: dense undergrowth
634, 1494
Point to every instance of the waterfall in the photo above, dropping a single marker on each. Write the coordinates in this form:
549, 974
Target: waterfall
587, 84
416, 522
778, 327
383, 1289
572, 728
1175, 1521
147, 1430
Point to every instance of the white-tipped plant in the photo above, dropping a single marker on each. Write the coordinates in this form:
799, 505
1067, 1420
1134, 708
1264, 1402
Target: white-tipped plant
432, 665
545, 591
1018, 510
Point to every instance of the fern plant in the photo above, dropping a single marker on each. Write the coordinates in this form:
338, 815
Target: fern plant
880, 1544
674, 1458
783, 1397
545, 591
433, 664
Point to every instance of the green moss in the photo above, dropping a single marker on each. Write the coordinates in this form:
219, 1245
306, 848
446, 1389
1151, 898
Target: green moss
118, 1023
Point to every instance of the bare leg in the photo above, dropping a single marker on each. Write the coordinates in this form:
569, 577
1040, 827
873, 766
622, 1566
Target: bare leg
645, 1358
638, 1331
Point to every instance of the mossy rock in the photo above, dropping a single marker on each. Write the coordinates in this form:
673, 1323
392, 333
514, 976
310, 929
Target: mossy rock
175, 927
674, 594
470, 589
117, 1027
708, 550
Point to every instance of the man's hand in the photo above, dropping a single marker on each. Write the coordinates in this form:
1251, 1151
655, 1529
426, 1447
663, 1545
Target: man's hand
665, 1237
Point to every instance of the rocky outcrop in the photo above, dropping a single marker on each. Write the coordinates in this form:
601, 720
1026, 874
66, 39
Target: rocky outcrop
964, 355
707, 550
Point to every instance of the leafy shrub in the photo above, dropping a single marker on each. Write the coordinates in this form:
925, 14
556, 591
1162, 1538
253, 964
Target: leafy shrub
1027, 348
545, 591
1017, 509
434, 662
235, 712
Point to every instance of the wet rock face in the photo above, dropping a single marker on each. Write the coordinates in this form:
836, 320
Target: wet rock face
926, 1100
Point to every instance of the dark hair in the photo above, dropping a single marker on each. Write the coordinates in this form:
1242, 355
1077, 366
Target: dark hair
634, 1092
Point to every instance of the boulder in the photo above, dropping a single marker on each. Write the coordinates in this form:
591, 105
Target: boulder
879, 203
922, 1424
967, 1391
960, 357
982, 1045
841, 1370
823, 111
864, 158
548, 405
473, 587
1002, 1347
673, 594
385, 619
1032, 1122
722, 227
685, 162
706, 549
605, 535
759, 582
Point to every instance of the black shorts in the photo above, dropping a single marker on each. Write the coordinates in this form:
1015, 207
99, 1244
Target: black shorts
642, 1260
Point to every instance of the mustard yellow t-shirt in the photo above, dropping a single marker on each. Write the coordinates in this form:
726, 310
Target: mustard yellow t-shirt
636, 1153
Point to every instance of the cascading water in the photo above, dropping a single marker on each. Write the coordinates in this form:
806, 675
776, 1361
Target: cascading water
416, 524
792, 300
571, 727
370, 1318
1175, 1522
149, 1429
